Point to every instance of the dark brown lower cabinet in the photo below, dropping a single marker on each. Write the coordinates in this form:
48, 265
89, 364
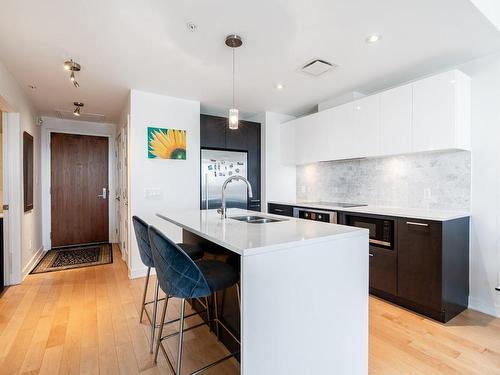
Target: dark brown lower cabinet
433, 266
383, 270
420, 263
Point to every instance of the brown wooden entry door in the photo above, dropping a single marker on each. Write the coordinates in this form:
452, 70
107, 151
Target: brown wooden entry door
79, 189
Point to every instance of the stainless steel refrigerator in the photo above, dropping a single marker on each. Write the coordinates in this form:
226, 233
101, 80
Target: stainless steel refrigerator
216, 167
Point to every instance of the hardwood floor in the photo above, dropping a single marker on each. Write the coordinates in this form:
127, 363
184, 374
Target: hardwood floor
85, 321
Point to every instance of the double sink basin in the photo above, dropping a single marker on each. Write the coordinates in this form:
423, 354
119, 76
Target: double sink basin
257, 219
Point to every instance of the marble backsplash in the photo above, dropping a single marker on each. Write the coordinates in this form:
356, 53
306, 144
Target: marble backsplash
436, 180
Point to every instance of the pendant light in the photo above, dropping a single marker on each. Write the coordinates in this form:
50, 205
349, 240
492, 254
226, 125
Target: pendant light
233, 41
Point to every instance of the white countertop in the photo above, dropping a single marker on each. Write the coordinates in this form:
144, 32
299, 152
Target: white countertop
248, 239
414, 213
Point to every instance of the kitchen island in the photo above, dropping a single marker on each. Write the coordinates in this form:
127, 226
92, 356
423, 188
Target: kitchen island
304, 290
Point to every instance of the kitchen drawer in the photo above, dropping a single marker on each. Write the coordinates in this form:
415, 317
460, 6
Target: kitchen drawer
280, 209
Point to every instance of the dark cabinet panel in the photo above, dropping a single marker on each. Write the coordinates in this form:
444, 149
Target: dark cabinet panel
420, 262
280, 209
253, 144
213, 131
237, 139
383, 270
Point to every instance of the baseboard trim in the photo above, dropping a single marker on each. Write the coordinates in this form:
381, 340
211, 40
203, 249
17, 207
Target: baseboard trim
139, 272
493, 310
33, 262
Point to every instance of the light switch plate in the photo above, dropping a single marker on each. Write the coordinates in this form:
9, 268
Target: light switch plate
152, 193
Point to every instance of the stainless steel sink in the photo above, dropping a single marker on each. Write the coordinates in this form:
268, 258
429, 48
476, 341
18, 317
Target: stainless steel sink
257, 219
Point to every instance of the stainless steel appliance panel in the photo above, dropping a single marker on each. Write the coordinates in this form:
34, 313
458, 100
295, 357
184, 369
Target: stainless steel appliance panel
216, 167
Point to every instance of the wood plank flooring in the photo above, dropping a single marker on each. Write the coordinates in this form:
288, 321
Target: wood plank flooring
86, 321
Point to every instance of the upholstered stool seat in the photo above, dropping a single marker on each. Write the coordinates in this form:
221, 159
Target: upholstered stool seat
219, 275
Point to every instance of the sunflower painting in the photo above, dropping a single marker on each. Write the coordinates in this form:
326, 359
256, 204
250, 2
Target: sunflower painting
166, 144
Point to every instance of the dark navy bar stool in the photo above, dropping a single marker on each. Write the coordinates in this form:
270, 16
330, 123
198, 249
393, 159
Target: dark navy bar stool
141, 234
181, 277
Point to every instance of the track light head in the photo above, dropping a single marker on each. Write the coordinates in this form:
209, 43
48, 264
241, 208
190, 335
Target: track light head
70, 65
78, 108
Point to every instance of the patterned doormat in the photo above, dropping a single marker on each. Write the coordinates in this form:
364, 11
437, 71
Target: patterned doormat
75, 257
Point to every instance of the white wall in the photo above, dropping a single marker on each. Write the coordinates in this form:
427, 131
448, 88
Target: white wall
57, 125
485, 188
25, 228
177, 180
278, 180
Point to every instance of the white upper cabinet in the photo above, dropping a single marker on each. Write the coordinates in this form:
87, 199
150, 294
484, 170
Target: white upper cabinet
441, 115
426, 115
311, 143
366, 126
339, 134
396, 121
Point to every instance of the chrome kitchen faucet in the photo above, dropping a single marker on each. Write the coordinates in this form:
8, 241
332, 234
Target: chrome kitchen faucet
223, 209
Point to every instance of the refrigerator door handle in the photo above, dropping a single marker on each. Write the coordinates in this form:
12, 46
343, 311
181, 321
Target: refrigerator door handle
206, 191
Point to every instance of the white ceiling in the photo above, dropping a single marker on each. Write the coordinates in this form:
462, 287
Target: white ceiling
146, 45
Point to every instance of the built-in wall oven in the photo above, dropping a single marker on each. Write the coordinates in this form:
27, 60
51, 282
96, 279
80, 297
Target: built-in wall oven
381, 229
316, 215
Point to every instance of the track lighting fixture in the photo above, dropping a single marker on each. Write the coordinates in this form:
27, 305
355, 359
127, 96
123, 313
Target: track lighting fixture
73, 67
78, 107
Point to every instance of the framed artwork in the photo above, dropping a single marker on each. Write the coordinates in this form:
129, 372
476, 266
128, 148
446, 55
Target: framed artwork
28, 162
166, 143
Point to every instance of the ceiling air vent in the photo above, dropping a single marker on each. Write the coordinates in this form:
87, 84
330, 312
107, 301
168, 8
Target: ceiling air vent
69, 115
317, 67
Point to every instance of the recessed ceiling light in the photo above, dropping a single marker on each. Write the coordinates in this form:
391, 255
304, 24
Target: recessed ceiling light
191, 26
373, 38
279, 86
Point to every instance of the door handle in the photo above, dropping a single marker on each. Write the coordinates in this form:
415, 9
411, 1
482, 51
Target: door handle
118, 198
104, 194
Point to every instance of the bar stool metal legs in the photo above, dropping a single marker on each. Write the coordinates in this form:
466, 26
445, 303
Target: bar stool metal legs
238, 294
153, 320
143, 305
181, 337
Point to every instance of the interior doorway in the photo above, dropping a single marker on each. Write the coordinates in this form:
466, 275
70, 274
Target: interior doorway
79, 189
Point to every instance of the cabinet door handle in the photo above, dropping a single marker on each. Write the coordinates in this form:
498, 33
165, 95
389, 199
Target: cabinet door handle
418, 224
278, 210
370, 254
